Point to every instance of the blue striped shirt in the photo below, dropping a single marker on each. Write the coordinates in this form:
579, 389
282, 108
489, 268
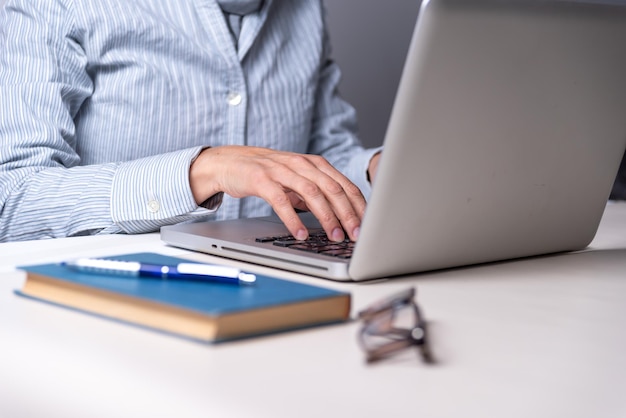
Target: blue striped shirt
104, 105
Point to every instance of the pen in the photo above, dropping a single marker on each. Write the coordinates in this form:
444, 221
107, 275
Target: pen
181, 271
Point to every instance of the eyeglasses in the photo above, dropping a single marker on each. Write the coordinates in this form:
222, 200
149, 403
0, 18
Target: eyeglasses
392, 325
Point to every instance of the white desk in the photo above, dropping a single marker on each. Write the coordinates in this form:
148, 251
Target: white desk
541, 337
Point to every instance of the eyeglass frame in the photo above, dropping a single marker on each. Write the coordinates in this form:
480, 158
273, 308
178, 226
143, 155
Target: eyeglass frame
400, 338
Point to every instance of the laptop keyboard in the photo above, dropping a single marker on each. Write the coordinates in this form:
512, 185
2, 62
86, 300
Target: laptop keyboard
317, 243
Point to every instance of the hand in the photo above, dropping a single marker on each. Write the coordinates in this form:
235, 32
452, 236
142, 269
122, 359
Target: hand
286, 181
373, 167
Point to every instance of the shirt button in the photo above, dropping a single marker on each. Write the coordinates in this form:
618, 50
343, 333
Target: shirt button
234, 98
153, 206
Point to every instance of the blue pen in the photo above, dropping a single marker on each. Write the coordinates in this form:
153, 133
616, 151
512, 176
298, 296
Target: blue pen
181, 271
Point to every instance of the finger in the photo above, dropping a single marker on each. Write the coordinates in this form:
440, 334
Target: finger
282, 204
317, 201
297, 202
331, 197
353, 193
328, 201
278, 188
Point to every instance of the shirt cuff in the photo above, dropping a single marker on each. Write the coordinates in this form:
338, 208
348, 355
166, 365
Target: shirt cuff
213, 202
154, 191
357, 170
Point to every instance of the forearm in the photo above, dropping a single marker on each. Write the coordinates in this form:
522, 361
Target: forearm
45, 191
133, 197
55, 202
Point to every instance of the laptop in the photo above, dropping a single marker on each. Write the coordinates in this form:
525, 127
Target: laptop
504, 140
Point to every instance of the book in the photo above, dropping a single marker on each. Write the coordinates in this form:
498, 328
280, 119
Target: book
199, 310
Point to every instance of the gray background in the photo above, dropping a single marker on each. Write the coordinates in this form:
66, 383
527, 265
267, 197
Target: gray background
370, 39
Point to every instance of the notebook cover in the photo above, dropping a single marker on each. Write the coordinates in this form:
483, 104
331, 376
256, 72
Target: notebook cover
208, 298
205, 297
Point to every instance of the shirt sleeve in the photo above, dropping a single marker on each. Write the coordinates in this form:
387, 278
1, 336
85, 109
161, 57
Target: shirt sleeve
44, 190
334, 128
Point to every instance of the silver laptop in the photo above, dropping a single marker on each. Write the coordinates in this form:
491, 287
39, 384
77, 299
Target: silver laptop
504, 141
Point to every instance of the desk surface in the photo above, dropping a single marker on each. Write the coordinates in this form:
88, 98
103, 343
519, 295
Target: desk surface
539, 337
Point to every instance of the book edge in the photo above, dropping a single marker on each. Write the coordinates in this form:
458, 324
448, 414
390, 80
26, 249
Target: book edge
215, 341
187, 323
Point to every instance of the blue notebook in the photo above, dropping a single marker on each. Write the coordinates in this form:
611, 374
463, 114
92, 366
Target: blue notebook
200, 310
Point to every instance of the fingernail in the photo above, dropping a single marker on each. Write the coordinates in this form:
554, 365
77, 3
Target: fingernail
337, 235
301, 235
356, 231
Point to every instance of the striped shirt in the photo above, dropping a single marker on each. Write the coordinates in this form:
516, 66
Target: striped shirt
105, 104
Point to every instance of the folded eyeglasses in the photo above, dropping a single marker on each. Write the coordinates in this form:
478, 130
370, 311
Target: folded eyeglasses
392, 325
